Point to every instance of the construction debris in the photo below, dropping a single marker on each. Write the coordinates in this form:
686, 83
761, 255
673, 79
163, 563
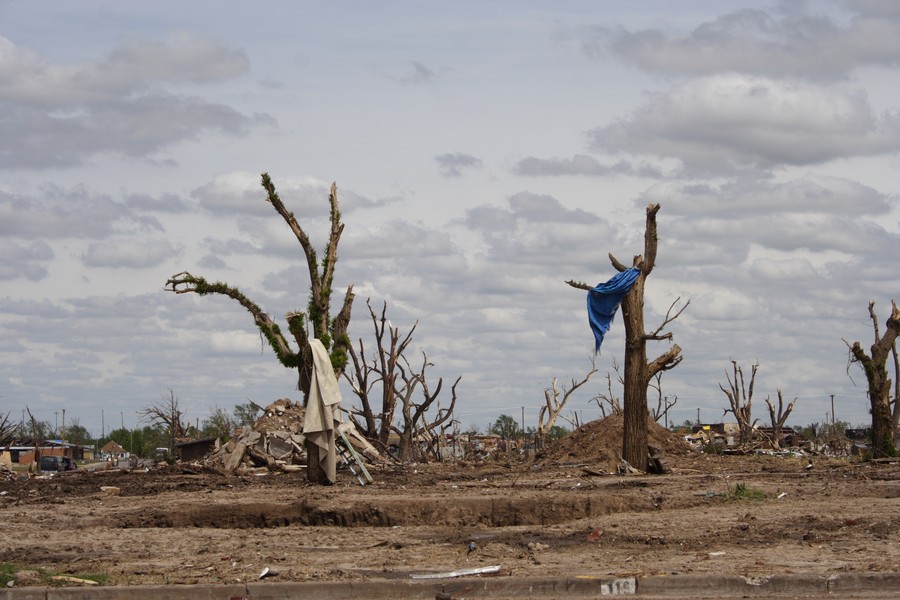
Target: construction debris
460, 573
275, 442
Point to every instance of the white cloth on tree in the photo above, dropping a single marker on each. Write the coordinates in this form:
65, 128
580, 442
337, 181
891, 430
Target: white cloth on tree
320, 417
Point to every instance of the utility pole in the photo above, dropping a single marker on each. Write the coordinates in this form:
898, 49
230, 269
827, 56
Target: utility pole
833, 429
698, 416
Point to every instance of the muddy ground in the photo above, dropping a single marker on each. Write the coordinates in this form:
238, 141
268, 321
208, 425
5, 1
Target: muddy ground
554, 515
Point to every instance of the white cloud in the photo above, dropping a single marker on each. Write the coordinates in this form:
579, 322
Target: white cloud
754, 41
62, 114
452, 164
730, 122
130, 254
20, 261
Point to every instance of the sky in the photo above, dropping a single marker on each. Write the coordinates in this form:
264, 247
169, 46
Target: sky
484, 153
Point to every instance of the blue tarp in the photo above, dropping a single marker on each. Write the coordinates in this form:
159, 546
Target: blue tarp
603, 302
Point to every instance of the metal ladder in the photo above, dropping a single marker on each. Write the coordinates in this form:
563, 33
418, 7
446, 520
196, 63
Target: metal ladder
350, 457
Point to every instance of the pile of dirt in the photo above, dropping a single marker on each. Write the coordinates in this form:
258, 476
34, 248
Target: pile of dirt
600, 443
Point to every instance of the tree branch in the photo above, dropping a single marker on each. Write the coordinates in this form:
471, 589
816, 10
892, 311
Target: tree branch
669, 318
666, 361
186, 283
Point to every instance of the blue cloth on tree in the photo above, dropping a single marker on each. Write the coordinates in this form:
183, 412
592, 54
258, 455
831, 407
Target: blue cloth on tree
603, 302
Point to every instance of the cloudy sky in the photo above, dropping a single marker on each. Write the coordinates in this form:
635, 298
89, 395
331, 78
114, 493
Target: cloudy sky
484, 153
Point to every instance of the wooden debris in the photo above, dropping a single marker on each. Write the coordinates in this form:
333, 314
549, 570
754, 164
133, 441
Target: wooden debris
78, 580
460, 573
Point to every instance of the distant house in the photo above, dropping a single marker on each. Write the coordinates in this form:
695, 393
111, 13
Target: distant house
114, 451
23, 452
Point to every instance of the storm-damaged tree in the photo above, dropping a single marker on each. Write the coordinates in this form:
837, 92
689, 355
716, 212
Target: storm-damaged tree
779, 417
608, 400
167, 415
553, 405
875, 367
389, 372
664, 403
331, 332
638, 371
740, 399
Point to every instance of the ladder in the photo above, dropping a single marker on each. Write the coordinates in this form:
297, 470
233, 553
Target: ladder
350, 457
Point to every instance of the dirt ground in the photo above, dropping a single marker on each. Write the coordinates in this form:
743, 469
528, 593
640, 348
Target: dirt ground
556, 514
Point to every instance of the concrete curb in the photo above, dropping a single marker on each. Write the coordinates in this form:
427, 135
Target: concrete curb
585, 586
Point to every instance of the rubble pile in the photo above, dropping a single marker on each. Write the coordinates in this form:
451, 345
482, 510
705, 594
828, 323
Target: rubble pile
273, 442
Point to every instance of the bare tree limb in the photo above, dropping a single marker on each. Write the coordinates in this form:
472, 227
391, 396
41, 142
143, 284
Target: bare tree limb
740, 400
553, 406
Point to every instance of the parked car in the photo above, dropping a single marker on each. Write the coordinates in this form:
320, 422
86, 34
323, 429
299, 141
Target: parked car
57, 463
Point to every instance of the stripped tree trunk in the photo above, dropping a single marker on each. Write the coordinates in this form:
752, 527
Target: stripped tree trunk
875, 367
639, 372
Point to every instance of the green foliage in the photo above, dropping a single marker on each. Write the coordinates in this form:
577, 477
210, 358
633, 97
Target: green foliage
7, 573
887, 449
557, 432
506, 427
78, 434
742, 492
120, 436
219, 425
244, 414
40, 430
140, 442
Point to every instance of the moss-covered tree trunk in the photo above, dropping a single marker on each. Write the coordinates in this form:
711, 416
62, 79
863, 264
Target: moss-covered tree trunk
331, 332
875, 367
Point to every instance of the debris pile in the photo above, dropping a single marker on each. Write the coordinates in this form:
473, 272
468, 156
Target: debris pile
275, 442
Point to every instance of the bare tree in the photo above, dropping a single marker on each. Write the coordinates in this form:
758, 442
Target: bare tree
609, 397
740, 399
875, 367
663, 403
403, 387
414, 424
638, 371
331, 332
779, 417
168, 415
384, 368
8, 429
553, 406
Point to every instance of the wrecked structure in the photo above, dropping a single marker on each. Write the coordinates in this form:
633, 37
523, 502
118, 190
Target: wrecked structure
275, 442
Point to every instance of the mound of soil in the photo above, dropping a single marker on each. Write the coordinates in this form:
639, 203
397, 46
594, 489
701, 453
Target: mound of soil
600, 443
